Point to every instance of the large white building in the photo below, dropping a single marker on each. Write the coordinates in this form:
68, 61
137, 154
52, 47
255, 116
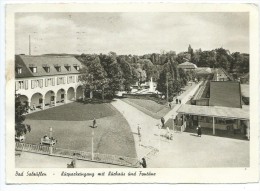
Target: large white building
44, 81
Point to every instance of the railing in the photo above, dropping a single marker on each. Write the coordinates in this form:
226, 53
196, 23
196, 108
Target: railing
82, 155
32, 148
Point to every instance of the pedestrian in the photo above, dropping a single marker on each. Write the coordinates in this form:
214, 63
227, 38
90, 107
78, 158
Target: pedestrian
139, 130
94, 123
143, 163
170, 105
199, 131
177, 100
73, 162
163, 121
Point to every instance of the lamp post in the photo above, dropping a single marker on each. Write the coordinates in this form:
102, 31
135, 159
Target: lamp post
139, 138
51, 149
92, 144
173, 126
92, 139
50, 132
159, 129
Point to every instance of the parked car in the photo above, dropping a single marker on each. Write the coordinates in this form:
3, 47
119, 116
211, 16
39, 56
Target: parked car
20, 138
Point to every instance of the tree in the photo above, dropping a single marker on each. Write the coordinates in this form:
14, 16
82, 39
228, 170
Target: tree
128, 73
113, 70
190, 51
93, 75
20, 110
148, 67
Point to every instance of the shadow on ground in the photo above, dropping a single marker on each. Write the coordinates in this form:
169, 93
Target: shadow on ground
219, 133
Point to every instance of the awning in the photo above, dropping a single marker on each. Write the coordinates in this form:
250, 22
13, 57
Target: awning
213, 111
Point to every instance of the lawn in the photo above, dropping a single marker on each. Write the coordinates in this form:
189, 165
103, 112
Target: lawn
149, 107
71, 127
75, 111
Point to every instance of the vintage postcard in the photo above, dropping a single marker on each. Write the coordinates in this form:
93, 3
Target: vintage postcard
132, 93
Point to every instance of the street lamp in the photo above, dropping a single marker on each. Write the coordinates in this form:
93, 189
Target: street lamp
173, 125
50, 132
92, 139
159, 129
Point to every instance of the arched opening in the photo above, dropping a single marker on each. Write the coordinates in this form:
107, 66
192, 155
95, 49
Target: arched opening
49, 98
71, 94
36, 101
23, 99
60, 96
79, 92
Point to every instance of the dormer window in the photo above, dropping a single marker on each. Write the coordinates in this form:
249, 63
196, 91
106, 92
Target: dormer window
68, 67
76, 67
19, 70
58, 68
34, 69
46, 68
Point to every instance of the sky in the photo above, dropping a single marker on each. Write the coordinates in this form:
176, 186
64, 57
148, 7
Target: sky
130, 33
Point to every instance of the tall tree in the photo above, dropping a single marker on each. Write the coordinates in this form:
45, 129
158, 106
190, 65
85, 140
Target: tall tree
148, 67
128, 73
113, 70
20, 110
93, 75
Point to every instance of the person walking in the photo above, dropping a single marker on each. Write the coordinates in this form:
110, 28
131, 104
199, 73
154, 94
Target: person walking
73, 162
94, 122
170, 105
143, 163
199, 131
177, 100
163, 121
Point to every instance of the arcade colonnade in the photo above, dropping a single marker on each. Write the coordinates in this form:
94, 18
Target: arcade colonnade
44, 99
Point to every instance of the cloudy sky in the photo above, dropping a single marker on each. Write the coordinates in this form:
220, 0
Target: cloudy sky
130, 33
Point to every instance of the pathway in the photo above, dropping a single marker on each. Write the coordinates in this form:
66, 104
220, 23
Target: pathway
182, 151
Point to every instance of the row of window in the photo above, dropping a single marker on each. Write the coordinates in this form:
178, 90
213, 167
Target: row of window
47, 69
217, 120
23, 84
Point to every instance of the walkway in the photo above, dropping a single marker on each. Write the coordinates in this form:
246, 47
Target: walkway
186, 149
150, 141
148, 127
184, 97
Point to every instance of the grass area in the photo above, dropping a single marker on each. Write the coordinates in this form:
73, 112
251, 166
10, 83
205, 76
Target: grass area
149, 107
112, 136
75, 111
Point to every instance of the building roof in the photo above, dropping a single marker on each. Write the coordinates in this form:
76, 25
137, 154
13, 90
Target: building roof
187, 65
25, 62
203, 70
221, 112
225, 93
245, 90
202, 91
222, 73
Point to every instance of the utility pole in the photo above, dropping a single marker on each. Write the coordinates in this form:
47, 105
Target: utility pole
167, 91
29, 44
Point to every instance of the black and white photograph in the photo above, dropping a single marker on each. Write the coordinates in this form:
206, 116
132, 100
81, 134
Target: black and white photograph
138, 90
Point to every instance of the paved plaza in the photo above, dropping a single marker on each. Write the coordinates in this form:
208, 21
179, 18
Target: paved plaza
117, 134
186, 149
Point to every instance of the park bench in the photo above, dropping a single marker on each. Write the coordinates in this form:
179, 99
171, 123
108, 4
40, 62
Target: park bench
48, 141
